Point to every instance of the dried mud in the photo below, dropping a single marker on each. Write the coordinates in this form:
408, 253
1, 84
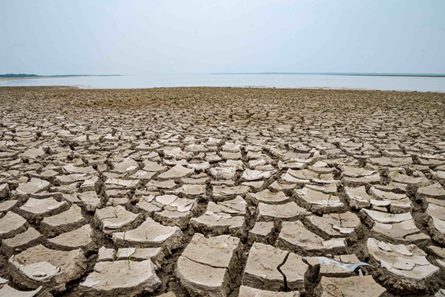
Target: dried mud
310, 184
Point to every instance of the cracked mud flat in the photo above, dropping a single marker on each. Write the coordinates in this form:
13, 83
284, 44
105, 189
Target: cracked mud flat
221, 192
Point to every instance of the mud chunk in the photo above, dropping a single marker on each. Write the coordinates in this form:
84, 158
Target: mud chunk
268, 197
39, 208
335, 224
69, 179
318, 202
176, 172
21, 241
435, 191
40, 266
221, 193
8, 205
355, 172
281, 212
358, 197
396, 228
436, 219
35, 185
396, 203
193, 191
63, 222
151, 166
126, 166
105, 254
262, 232
11, 224
253, 175
115, 219
6, 290
207, 265
223, 172
361, 181
391, 162
121, 278
226, 217
295, 237
150, 234
405, 266
91, 184
90, 200
78, 238
174, 211
72, 169
121, 184
32, 154
266, 269
140, 254
4, 191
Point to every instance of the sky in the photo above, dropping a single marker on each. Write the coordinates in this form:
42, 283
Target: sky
200, 36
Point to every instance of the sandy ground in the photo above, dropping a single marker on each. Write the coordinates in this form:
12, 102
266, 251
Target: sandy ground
221, 192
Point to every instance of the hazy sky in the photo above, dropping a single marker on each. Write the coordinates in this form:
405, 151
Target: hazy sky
203, 36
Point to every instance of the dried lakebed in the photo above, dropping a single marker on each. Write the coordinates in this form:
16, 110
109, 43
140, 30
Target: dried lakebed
221, 192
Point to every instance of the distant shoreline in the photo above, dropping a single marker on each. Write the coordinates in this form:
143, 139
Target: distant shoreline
3, 78
336, 74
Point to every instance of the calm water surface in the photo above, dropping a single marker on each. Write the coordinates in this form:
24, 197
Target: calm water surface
420, 84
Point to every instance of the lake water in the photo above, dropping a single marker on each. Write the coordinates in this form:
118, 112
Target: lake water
420, 84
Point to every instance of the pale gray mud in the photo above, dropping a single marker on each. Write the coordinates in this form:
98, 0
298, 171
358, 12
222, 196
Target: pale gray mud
221, 192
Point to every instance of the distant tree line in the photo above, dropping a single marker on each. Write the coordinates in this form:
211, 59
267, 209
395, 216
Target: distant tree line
18, 75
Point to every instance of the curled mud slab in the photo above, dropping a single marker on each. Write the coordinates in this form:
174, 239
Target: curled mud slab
221, 192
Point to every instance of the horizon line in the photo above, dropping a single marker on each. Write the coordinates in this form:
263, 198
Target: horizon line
333, 73
11, 75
